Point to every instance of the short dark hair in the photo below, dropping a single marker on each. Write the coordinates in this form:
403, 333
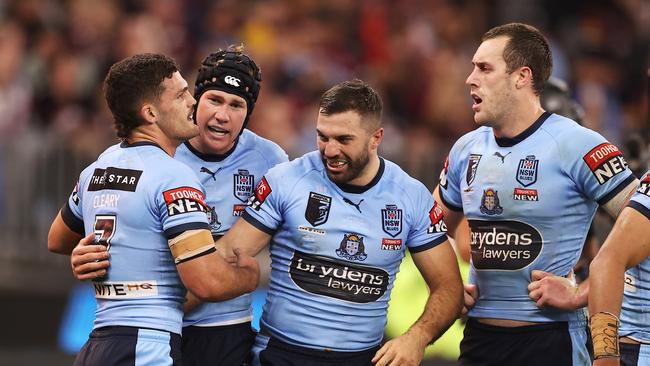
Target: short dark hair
132, 81
353, 95
526, 46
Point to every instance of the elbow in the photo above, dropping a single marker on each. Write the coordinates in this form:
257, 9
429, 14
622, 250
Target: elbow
212, 292
55, 245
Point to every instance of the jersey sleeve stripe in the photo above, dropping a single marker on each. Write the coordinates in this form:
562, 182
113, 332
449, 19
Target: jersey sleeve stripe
173, 232
616, 190
641, 208
74, 223
429, 245
448, 204
253, 221
201, 254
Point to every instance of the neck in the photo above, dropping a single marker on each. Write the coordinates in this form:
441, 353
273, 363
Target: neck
156, 136
519, 118
368, 173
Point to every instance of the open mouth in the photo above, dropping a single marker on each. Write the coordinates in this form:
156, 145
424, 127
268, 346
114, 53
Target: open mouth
217, 130
336, 164
477, 101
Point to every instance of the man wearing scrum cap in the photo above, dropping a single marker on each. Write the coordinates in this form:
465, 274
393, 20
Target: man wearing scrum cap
229, 160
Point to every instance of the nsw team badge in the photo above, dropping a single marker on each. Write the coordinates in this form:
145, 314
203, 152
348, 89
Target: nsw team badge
490, 202
391, 220
527, 171
243, 185
318, 208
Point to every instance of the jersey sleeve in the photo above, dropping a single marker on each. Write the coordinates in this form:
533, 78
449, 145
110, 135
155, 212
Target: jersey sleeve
180, 200
71, 211
640, 201
597, 166
450, 178
428, 229
264, 209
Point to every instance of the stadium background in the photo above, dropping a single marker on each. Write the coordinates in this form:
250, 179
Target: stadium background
53, 119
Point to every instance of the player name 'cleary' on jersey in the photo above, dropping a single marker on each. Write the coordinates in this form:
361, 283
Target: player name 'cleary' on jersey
504, 245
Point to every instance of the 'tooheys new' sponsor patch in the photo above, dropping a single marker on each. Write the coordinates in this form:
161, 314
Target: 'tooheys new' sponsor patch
184, 200
605, 161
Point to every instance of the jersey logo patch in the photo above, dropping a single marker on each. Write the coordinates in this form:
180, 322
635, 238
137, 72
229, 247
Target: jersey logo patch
318, 209
338, 279
527, 171
490, 202
262, 191
391, 220
352, 248
435, 216
521, 194
472, 166
644, 185
238, 210
75, 194
605, 161
503, 245
184, 200
443, 173
114, 178
391, 244
243, 185
213, 220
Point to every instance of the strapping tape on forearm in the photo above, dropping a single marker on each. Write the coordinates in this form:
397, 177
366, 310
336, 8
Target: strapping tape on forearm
604, 332
191, 244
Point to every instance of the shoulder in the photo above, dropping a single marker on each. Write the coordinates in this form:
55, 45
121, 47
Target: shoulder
264, 148
572, 138
472, 137
402, 181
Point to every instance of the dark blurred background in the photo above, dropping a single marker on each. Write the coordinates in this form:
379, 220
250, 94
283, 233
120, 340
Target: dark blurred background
54, 55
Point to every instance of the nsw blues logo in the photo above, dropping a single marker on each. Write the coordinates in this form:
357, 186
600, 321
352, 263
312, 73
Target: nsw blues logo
318, 208
391, 220
472, 165
352, 248
490, 202
527, 171
243, 185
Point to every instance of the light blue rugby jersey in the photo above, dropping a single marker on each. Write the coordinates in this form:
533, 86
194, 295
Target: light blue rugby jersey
635, 318
229, 181
135, 197
336, 250
529, 201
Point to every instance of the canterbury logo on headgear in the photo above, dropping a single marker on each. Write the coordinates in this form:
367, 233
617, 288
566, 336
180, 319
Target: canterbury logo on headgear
231, 80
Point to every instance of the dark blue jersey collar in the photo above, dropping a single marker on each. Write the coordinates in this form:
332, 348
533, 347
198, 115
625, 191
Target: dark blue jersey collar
349, 188
211, 157
512, 141
125, 144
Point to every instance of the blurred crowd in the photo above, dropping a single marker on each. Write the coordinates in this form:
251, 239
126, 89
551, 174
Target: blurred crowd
55, 53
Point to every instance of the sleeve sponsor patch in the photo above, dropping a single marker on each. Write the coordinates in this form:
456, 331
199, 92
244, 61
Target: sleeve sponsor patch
184, 200
262, 191
437, 224
75, 194
443, 173
605, 161
644, 185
